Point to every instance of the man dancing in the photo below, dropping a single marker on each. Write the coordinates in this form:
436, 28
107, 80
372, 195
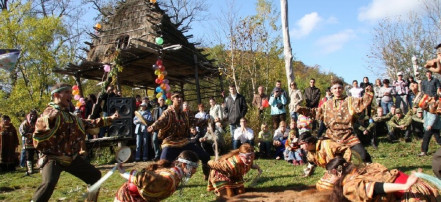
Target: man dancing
173, 126
337, 114
58, 136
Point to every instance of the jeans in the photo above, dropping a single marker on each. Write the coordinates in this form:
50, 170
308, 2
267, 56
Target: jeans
142, 140
295, 116
401, 102
23, 157
426, 139
156, 145
386, 106
410, 98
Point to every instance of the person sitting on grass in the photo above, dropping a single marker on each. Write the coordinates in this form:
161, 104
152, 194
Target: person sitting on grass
320, 152
399, 125
226, 175
158, 180
214, 133
243, 134
264, 140
374, 182
293, 153
279, 139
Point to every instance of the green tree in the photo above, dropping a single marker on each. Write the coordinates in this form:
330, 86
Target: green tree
38, 38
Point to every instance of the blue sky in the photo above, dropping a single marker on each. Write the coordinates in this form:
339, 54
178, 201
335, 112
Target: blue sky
336, 35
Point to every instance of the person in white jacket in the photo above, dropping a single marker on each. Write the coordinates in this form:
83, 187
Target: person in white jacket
243, 134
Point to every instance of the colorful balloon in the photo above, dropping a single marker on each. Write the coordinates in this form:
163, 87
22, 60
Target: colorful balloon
106, 68
77, 97
164, 73
167, 87
158, 89
157, 72
168, 95
161, 77
265, 103
158, 62
155, 67
166, 81
97, 26
162, 86
75, 92
75, 87
158, 81
159, 40
164, 97
168, 102
158, 95
161, 68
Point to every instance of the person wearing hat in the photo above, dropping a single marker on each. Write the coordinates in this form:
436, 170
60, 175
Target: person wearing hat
142, 137
59, 136
402, 91
174, 125
378, 125
432, 124
399, 125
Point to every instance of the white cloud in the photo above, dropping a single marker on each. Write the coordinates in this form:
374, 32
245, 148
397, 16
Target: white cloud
378, 9
331, 43
306, 24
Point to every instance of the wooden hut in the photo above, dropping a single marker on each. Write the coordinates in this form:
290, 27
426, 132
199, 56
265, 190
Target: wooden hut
128, 35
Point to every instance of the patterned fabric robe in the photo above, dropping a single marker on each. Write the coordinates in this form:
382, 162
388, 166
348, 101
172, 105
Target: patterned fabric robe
8, 144
151, 185
338, 115
326, 150
359, 186
60, 134
174, 126
227, 173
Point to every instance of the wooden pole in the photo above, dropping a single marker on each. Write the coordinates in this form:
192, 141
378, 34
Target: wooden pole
286, 42
78, 82
196, 76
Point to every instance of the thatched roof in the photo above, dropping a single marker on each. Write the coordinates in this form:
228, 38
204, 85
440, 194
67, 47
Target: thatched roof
132, 30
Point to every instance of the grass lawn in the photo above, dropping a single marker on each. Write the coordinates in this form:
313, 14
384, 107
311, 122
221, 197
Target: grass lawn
276, 175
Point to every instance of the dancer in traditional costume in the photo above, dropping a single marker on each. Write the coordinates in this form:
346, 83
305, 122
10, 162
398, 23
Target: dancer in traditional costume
26, 129
320, 152
226, 175
158, 180
338, 114
374, 182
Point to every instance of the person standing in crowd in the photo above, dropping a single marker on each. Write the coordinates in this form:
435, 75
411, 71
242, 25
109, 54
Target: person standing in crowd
258, 99
243, 134
156, 113
431, 86
277, 102
402, 90
322, 127
59, 136
216, 112
138, 101
432, 124
8, 144
215, 133
399, 125
26, 129
296, 98
363, 85
91, 100
356, 91
142, 137
338, 115
279, 85
386, 93
411, 95
312, 95
235, 108
105, 98
174, 125
146, 100
377, 93
202, 115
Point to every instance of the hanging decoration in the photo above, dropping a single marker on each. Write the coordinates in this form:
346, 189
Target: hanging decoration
163, 88
77, 97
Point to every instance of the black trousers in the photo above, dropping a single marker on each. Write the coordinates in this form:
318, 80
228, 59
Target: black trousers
364, 155
51, 173
171, 153
426, 139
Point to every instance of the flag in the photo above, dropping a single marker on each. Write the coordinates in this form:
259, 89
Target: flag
8, 58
